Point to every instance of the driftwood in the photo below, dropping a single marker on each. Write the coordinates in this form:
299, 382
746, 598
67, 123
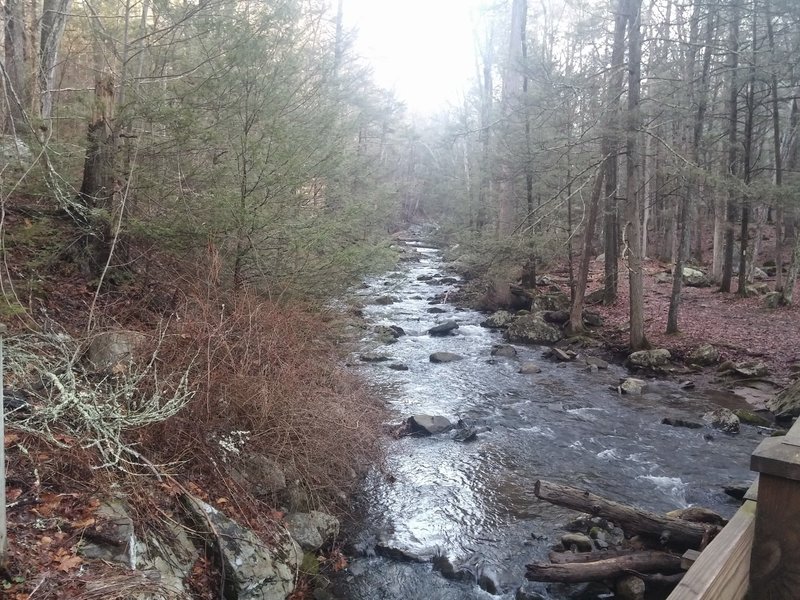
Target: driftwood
609, 568
563, 558
672, 532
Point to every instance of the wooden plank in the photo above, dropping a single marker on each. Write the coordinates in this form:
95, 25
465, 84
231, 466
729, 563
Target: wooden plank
722, 570
752, 493
776, 458
792, 436
774, 568
688, 559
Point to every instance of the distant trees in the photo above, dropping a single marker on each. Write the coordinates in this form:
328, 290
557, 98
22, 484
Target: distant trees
249, 128
707, 131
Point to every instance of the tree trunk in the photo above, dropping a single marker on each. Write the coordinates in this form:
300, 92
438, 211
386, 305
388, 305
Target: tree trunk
576, 310
610, 149
54, 19
634, 237
732, 168
17, 85
681, 534
747, 162
777, 151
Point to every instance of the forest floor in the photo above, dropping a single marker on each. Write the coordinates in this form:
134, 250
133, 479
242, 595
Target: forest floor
743, 329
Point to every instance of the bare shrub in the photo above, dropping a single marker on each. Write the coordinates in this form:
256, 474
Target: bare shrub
267, 380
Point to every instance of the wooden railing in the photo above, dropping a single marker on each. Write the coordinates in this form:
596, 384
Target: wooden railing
757, 554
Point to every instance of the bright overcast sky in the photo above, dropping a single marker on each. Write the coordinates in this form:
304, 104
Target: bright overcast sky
423, 49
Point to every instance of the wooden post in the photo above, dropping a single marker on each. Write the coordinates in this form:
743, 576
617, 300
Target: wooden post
774, 568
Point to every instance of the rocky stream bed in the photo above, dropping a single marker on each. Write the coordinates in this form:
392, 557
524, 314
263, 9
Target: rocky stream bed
453, 515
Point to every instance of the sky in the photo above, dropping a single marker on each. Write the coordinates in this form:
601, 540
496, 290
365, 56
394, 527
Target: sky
421, 49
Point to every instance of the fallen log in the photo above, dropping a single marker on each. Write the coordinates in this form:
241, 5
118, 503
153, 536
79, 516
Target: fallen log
671, 531
652, 561
562, 558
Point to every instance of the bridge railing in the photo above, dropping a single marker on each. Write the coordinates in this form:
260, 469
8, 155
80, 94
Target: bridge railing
756, 554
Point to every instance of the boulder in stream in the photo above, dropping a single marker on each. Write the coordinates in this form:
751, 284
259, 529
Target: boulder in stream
385, 300
498, 320
722, 419
632, 386
596, 362
445, 357
529, 368
787, 403
312, 529
428, 424
445, 328
532, 329
504, 350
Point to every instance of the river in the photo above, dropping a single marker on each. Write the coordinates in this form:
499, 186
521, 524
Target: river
473, 503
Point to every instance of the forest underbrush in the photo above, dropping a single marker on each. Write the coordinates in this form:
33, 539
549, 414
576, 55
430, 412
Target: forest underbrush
240, 400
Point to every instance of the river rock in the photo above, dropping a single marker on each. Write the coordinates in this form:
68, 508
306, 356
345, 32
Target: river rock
529, 368
428, 424
632, 386
558, 317
738, 489
385, 300
445, 357
596, 362
498, 320
111, 350
373, 357
704, 355
722, 419
313, 529
650, 359
592, 318
695, 278
786, 404
629, 587
532, 329
398, 367
583, 543
751, 370
253, 571
445, 328
264, 475
465, 434
554, 301
505, 351
445, 566
436, 310
751, 418
680, 423
389, 333
561, 355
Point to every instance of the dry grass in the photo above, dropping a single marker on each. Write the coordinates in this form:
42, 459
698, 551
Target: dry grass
268, 380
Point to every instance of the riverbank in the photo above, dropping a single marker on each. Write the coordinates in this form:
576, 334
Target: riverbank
743, 331
451, 515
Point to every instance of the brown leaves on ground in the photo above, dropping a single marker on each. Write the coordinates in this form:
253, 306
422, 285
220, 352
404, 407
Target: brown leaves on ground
742, 328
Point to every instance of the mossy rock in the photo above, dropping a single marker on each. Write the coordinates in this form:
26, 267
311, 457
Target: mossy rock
751, 418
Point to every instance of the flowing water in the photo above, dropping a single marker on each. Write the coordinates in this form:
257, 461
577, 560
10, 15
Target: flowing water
473, 502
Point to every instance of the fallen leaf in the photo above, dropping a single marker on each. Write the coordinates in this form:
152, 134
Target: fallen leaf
69, 562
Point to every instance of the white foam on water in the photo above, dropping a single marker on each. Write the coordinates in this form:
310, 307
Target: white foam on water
672, 487
610, 454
